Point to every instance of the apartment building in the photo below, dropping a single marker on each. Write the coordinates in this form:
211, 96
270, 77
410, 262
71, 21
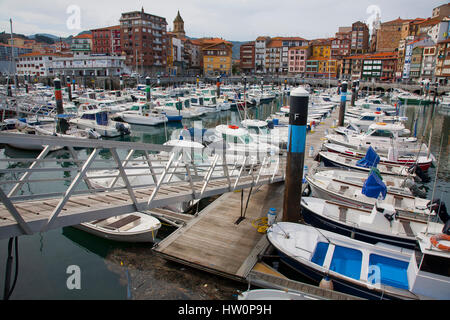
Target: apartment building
144, 41
359, 38
106, 40
260, 54
297, 59
247, 57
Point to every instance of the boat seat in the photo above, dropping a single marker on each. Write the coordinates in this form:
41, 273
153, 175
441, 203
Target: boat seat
407, 227
390, 183
388, 168
343, 214
123, 222
398, 201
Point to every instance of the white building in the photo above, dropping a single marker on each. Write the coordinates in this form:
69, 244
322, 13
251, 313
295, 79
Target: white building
89, 65
36, 64
260, 54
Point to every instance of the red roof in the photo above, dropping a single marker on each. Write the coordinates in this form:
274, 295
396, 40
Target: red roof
84, 36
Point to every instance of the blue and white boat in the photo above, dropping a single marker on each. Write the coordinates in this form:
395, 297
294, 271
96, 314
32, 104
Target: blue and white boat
371, 271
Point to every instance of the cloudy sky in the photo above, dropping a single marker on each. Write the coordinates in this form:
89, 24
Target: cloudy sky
238, 20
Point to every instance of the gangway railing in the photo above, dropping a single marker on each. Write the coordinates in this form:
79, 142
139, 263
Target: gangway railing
95, 179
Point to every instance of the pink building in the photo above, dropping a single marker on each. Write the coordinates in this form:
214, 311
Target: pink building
297, 59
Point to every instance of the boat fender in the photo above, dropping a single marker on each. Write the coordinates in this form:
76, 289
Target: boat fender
435, 241
326, 283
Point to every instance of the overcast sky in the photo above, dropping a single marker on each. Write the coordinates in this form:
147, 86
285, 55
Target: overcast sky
238, 20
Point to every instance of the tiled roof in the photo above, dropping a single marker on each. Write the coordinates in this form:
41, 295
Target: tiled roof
83, 36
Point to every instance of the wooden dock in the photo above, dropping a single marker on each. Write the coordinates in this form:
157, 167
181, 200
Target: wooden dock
213, 242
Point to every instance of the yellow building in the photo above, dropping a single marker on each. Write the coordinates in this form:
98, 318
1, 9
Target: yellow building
217, 56
321, 49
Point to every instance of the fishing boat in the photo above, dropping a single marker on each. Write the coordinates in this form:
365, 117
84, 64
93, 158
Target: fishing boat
423, 162
370, 271
131, 227
332, 159
383, 223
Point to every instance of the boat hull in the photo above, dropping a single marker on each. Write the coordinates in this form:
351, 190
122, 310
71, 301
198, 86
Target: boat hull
338, 284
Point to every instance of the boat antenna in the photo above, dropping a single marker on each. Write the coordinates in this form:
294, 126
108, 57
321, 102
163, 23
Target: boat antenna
435, 180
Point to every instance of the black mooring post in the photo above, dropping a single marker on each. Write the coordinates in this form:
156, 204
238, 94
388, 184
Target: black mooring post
298, 116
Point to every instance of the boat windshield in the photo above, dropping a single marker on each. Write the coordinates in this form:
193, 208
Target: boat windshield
259, 130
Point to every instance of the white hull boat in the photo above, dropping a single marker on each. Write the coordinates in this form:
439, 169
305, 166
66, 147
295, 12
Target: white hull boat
132, 227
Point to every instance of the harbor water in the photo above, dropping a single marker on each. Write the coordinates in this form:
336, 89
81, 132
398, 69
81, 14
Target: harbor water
112, 270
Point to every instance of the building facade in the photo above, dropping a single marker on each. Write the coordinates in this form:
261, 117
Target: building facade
36, 64
144, 41
360, 38
260, 54
297, 59
82, 44
247, 57
442, 71
106, 40
91, 65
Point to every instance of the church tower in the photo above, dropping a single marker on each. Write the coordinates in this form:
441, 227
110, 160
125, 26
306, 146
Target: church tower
178, 26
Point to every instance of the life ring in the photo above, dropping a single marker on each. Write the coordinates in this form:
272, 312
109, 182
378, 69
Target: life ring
233, 127
435, 241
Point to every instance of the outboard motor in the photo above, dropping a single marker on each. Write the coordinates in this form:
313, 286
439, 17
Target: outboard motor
446, 228
133, 98
416, 191
121, 128
439, 207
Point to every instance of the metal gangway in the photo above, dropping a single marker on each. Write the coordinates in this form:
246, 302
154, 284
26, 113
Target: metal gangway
88, 179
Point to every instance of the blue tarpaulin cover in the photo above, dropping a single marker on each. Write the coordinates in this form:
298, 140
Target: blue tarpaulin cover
371, 159
374, 186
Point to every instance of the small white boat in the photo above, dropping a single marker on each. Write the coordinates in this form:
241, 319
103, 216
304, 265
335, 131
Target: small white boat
131, 227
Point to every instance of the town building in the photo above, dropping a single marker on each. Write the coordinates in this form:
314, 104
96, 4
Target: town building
442, 71
82, 44
88, 65
36, 64
390, 34
441, 11
7, 53
176, 63
144, 41
360, 38
247, 57
216, 56
106, 40
260, 54
297, 59
273, 57
428, 62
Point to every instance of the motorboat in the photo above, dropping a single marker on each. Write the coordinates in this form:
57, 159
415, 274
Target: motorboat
259, 130
274, 294
100, 122
141, 114
382, 136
